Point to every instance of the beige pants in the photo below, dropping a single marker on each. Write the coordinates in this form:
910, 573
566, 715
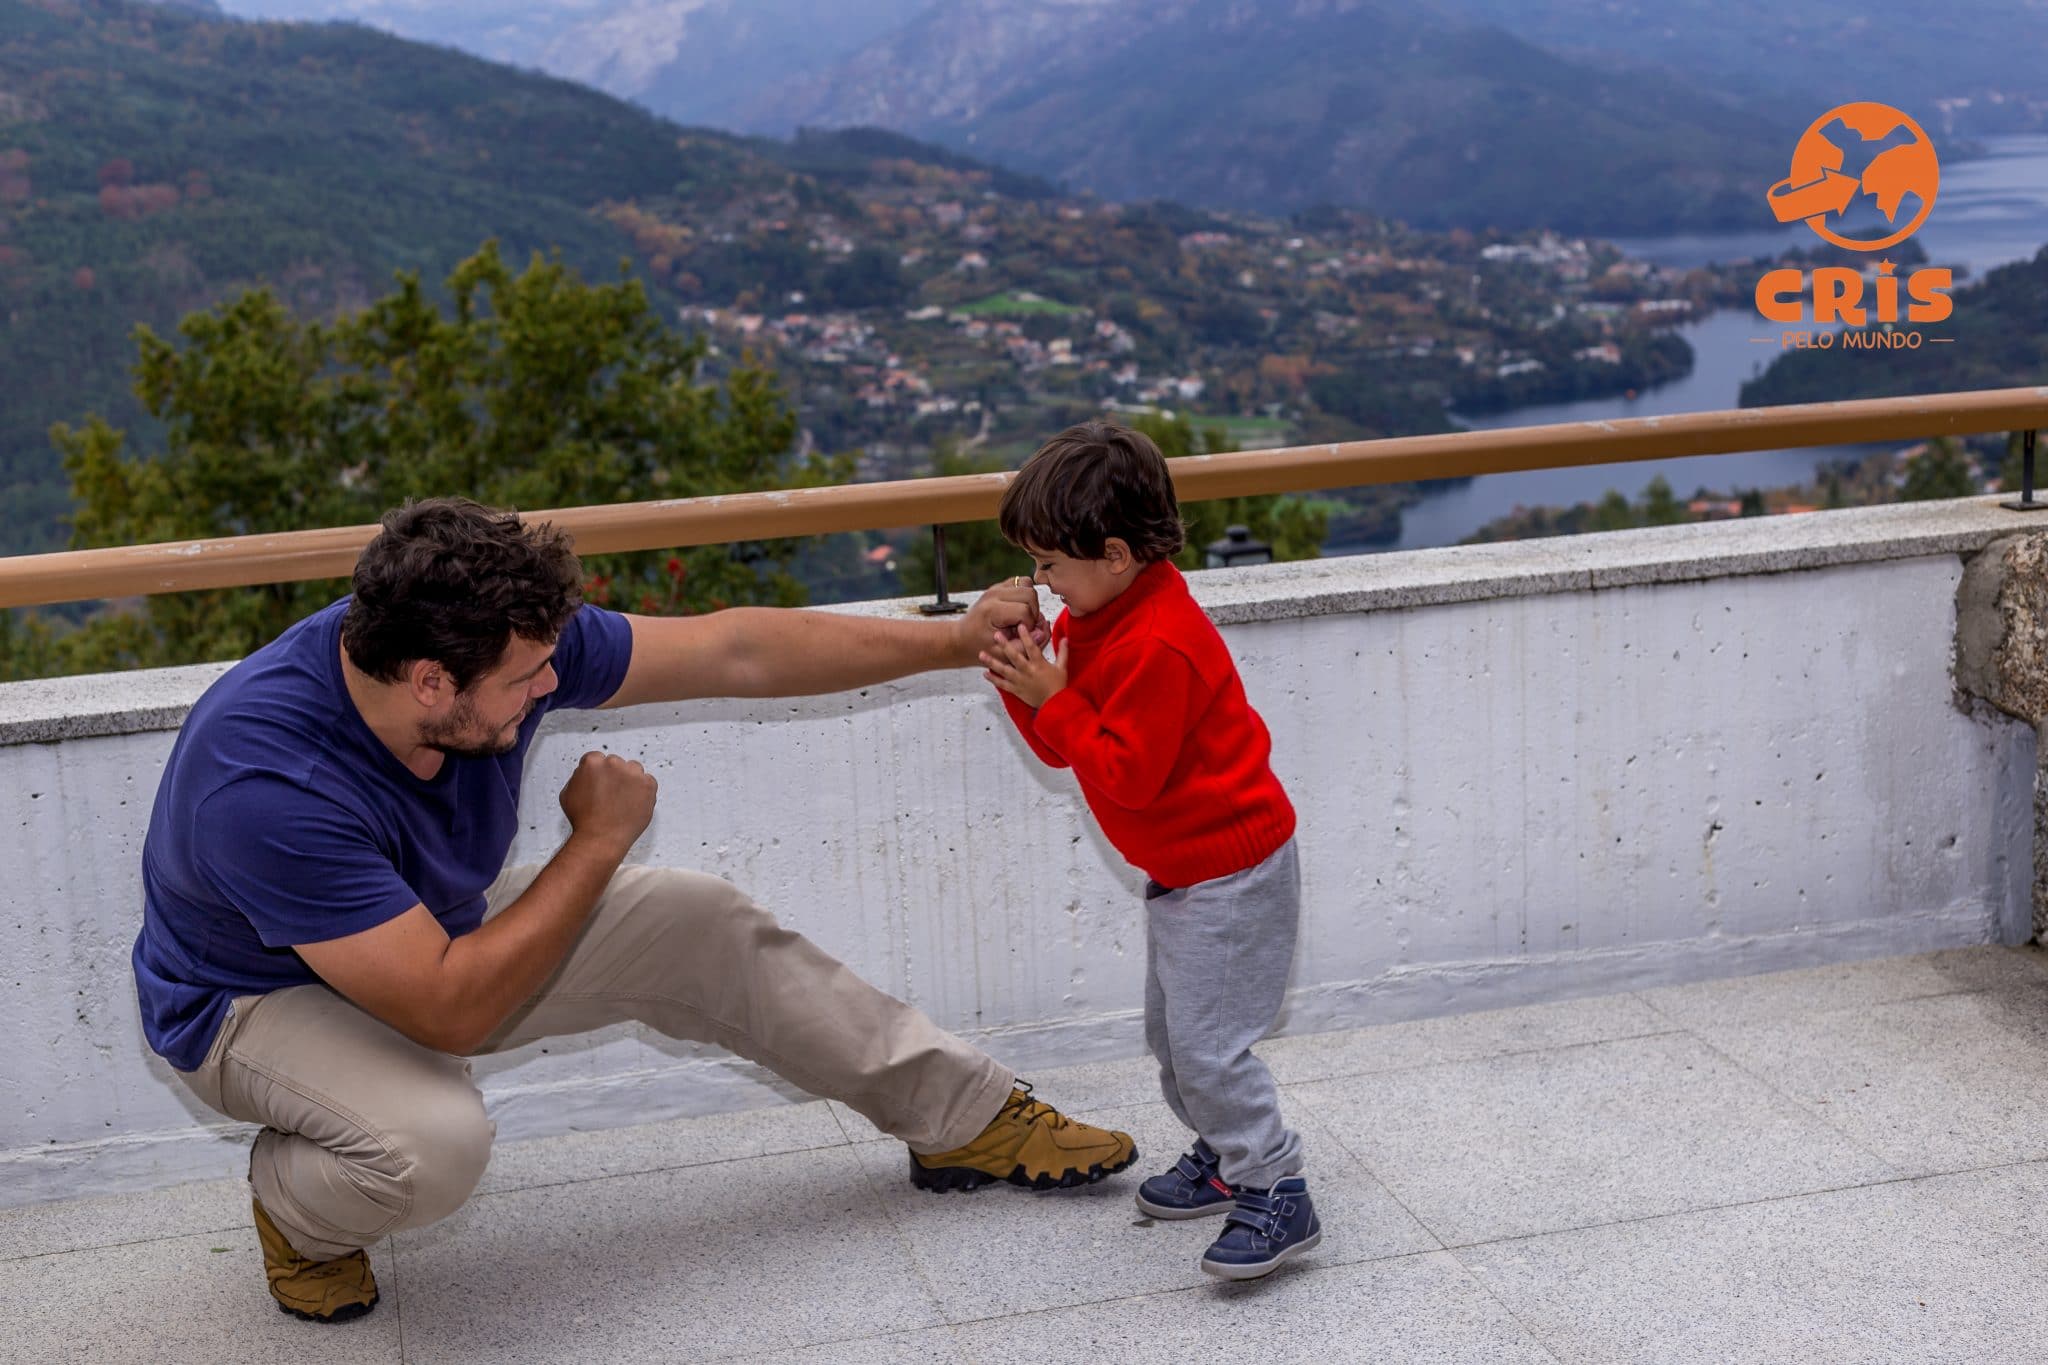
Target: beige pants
366, 1132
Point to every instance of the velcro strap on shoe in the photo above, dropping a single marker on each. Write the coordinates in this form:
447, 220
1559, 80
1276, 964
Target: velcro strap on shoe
1257, 1210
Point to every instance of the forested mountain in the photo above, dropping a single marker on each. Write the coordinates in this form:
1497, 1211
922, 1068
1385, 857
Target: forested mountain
153, 161
1949, 64
1440, 112
1377, 104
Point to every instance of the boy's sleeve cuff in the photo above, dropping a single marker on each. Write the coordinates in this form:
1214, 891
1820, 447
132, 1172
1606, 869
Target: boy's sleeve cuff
1012, 703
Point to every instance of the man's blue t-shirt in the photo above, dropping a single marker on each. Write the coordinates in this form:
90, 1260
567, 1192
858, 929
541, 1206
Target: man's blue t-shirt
283, 819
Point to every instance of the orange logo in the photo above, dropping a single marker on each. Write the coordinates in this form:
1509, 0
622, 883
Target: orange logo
1854, 151
1903, 164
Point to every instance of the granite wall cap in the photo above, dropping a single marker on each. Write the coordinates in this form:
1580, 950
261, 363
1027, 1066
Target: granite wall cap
55, 709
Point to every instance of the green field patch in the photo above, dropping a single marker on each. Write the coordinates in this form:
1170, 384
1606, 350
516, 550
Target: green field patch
1273, 426
1017, 303
1248, 432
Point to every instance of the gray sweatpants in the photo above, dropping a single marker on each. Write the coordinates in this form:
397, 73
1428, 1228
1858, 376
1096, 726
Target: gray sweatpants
1217, 956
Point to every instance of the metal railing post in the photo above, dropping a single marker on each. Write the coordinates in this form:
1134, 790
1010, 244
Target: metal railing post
943, 605
2025, 502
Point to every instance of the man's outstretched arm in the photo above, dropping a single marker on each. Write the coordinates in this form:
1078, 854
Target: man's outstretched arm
788, 652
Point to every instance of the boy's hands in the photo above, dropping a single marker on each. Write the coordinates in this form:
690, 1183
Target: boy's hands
1005, 610
1019, 667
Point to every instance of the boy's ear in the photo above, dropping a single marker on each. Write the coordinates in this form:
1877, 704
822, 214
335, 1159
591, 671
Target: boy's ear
1116, 553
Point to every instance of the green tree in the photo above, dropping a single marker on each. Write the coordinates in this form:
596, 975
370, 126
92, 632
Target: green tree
1660, 508
868, 278
1941, 472
1612, 513
27, 647
529, 390
1753, 502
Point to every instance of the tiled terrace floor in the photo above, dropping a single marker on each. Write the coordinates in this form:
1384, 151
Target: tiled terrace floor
1843, 1164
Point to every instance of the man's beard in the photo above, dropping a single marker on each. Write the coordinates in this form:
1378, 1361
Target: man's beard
456, 736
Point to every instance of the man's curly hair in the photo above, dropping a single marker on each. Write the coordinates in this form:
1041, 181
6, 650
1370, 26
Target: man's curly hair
453, 581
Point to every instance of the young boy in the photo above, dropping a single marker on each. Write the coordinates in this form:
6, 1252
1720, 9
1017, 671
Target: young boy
1142, 701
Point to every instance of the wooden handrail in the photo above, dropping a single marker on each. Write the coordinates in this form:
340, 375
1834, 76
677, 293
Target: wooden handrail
238, 561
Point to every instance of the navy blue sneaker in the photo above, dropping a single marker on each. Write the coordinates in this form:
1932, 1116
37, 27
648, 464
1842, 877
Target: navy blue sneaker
1265, 1228
1192, 1189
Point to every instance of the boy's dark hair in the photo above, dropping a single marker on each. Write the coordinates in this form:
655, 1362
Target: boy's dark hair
1089, 483
453, 581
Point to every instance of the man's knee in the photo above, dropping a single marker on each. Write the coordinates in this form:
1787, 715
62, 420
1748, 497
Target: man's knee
699, 906
444, 1145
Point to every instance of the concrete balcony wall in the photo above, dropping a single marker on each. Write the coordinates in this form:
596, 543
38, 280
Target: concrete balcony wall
1524, 772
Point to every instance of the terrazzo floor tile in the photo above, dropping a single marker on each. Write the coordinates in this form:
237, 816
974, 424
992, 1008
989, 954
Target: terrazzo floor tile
1887, 1273
1421, 1308
1459, 1037
700, 1263
662, 1146
1938, 1084
1843, 985
180, 1301
1541, 1141
1003, 1250
1097, 1085
1846, 1163
1071, 1089
931, 1346
2008, 1202
118, 1219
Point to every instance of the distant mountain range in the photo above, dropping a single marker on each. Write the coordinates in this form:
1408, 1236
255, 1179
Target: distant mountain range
1615, 116
1290, 103
692, 60
1379, 104
695, 60
1949, 64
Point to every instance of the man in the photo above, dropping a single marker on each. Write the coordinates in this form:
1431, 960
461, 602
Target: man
328, 928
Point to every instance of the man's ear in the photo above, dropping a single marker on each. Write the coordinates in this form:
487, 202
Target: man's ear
428, 683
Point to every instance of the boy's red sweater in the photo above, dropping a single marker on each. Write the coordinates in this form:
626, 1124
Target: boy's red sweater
1155, 724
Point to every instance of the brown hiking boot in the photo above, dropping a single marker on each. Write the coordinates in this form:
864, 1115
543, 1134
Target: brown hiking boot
318, 1291
1028, 1143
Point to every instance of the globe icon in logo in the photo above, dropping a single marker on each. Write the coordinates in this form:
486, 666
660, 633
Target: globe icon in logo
1857, 151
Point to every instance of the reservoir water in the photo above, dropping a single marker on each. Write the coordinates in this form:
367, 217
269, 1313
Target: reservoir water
1990, 211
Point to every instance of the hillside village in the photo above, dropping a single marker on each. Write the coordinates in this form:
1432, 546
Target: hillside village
911, 306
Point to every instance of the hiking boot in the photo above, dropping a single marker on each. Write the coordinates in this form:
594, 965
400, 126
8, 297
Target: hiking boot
1027, 1143
1194, 1188
1264, 1229
318, 1291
